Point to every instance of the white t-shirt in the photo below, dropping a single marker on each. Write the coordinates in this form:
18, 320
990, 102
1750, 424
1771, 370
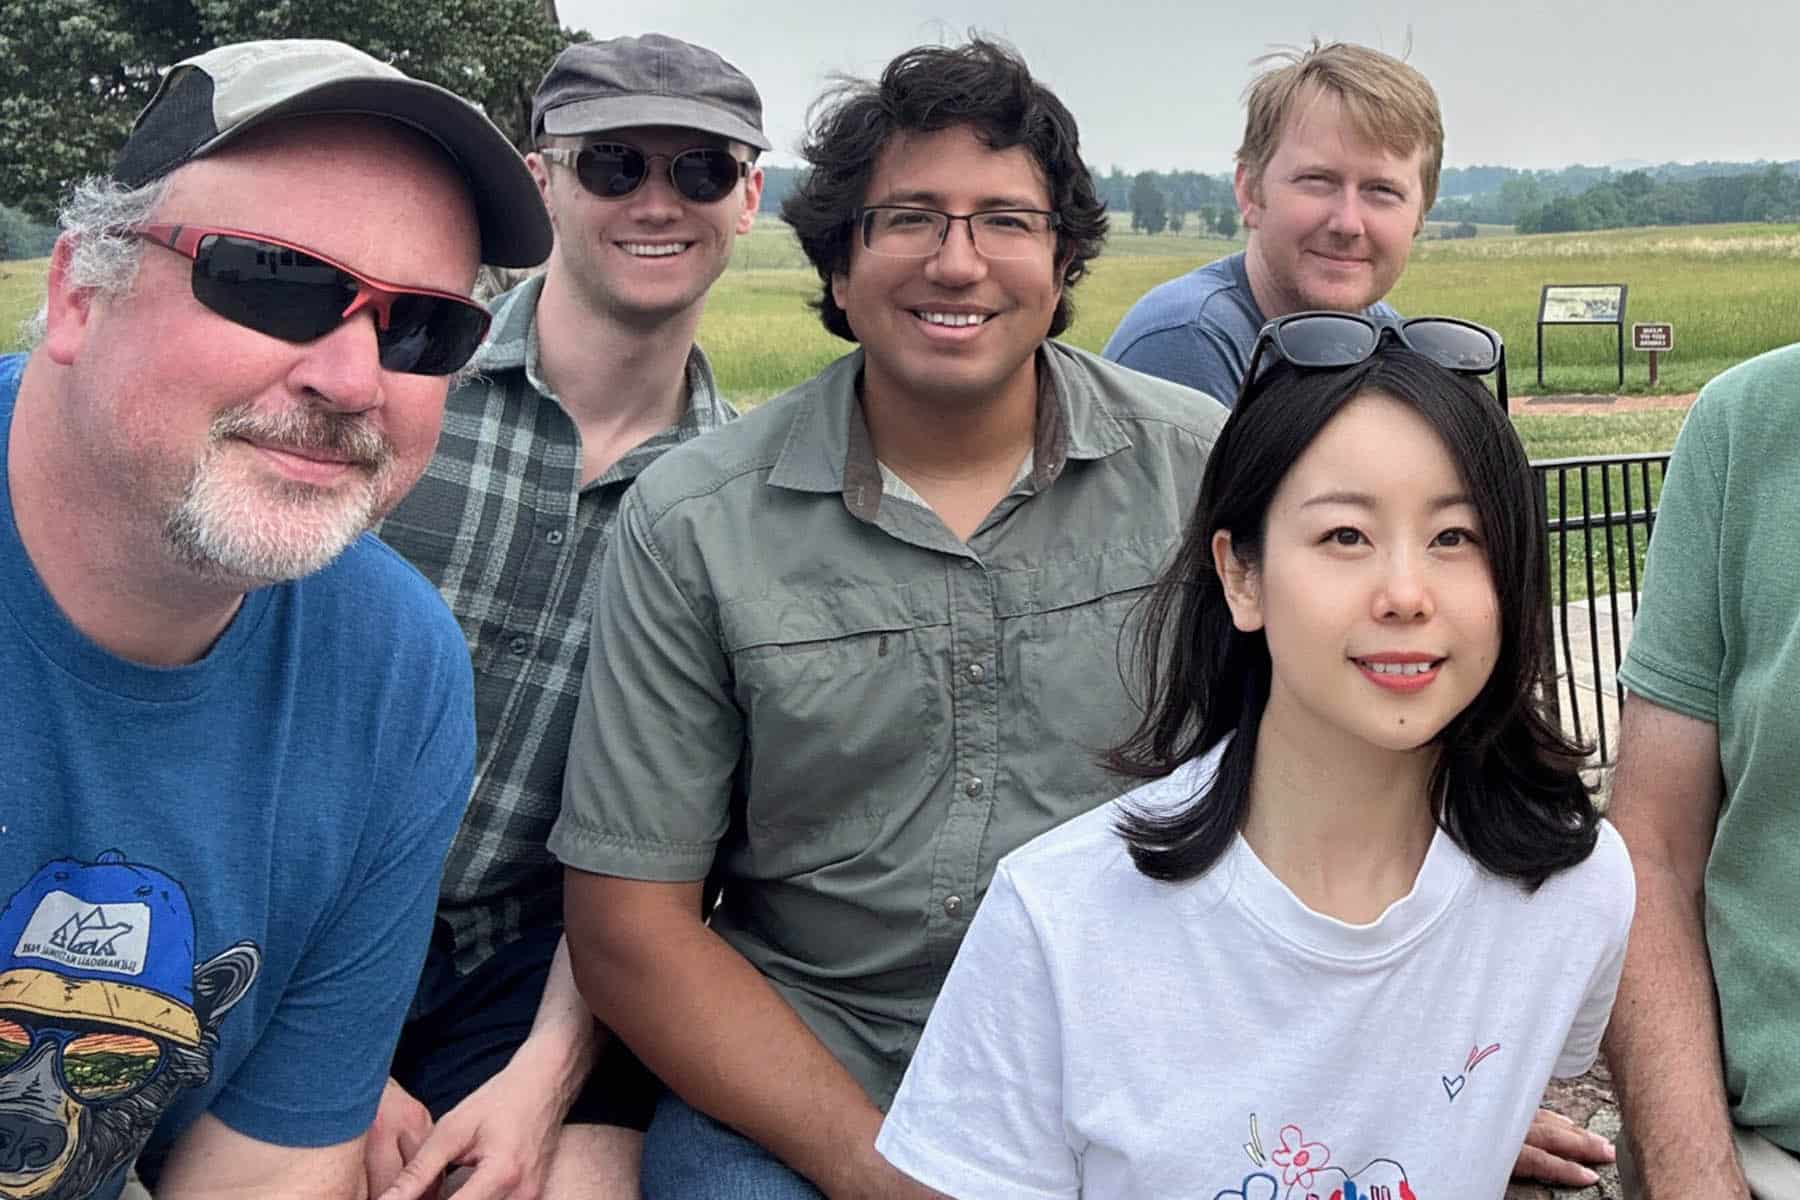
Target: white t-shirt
1105, 1035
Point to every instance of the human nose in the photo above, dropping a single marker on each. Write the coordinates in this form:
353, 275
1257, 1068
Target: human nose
656, 197
957, 261
1346, 214
1404, 593
342, 369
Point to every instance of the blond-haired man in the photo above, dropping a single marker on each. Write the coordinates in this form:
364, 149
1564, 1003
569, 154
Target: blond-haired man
1338, 166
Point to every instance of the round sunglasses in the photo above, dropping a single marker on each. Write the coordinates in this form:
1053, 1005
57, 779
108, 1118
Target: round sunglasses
1330, 340
290, 292
612, 170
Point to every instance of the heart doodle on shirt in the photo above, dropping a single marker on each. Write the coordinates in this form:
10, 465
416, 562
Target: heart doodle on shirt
1453, 1086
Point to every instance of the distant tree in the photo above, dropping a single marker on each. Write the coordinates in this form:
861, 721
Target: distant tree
1149, 208
1462, 229
1177, 219
1227, 224
74, 73
1209, 218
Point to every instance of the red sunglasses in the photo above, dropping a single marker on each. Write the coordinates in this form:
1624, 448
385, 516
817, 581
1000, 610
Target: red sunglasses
296, 294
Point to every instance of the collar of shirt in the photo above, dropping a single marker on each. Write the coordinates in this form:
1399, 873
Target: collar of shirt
829, 449
512, 345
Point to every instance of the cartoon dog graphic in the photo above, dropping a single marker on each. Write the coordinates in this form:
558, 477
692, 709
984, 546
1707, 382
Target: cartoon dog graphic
105, 1017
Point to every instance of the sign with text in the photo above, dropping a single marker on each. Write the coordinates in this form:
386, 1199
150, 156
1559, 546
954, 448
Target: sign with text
1582, 304
1652, 335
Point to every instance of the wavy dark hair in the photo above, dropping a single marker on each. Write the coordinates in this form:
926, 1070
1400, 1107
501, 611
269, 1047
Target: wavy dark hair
1510, 783
981, 84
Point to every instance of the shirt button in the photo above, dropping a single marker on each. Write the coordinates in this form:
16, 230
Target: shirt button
952, 905
968, 564
554, 537
975, 672
519, 645
973, 787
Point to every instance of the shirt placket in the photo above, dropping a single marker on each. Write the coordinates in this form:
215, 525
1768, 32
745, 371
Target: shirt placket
975, 738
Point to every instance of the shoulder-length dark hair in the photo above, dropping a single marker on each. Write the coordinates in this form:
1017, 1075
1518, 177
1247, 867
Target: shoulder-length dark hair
1510, 781
982, 85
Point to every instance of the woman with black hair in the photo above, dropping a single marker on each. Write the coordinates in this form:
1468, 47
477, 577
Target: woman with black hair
1363, 907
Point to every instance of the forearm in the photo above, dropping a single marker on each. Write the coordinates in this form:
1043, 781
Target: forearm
715, 1031
1663, 1048
564, 1039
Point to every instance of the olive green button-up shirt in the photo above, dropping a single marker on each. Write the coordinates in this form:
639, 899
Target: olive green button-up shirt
853, 712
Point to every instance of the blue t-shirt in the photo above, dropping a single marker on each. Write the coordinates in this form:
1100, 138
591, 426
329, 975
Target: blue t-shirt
218, 879
1198, 329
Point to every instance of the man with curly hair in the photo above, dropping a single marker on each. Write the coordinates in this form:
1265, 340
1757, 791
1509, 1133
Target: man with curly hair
856, 646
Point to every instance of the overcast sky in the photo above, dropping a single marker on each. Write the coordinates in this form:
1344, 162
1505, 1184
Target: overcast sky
1156, 83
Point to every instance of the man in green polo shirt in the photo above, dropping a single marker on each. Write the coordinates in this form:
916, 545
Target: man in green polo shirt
854, 647
1706, 1032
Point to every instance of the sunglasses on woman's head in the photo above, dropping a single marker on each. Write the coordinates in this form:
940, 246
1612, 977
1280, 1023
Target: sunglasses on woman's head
1333, 340
296, 294
612, 170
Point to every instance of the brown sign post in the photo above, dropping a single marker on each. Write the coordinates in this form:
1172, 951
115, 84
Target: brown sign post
1652, 337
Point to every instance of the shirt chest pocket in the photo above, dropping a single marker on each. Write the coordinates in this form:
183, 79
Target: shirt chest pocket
1070, 637
844, 702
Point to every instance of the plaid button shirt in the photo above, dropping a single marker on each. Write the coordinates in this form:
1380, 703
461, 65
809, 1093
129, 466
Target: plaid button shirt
501, 524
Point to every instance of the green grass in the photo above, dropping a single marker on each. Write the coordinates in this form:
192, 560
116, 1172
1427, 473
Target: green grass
21, 291
1728, 289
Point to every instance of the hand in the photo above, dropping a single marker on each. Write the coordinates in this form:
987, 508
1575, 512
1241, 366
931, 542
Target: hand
506, 1130
401, 1127
1555, 1149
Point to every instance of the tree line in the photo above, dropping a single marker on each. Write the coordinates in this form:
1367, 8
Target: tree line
75, 73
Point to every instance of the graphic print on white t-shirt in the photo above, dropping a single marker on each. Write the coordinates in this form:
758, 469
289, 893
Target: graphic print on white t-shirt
1297, 1167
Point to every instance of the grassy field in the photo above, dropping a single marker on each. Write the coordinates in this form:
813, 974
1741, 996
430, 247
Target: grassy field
21, 290
1729, 290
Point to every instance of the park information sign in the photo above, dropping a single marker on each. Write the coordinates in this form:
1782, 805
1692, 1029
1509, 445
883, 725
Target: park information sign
1652, 337
1582, 304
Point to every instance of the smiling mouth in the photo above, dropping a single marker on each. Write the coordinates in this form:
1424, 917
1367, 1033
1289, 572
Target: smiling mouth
951, 320
653, 249
1399, 669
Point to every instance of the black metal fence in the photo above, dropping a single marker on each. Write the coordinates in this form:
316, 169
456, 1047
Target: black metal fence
1600, 512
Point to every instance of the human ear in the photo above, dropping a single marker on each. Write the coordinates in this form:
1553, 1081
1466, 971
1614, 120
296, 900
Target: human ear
1242, 587
1246, 190
67, 308
753, 186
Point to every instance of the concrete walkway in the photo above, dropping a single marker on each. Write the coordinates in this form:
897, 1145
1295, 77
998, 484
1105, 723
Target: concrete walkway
1596, 662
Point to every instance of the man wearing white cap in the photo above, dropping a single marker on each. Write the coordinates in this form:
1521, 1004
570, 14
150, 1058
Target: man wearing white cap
646, 149
239, 732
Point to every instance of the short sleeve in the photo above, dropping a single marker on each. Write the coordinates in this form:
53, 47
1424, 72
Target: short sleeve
657, 736
1619, 887
980, 1111
1677, 642
316, 1073
1193, 355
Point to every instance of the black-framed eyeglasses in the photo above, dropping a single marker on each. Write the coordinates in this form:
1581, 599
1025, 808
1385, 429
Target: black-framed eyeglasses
611, 170
1326, 340
909, 231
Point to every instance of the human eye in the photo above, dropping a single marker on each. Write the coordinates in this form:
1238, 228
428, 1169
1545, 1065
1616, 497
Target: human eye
1006, 222
1343, 535
1456, 536
905, 218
